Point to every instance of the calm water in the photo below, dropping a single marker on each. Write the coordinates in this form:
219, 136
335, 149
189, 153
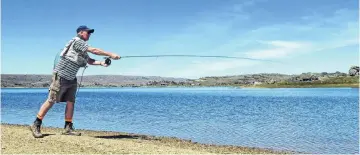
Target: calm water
321, 120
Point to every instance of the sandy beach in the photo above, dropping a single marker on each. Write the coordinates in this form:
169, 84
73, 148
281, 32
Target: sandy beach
17, 139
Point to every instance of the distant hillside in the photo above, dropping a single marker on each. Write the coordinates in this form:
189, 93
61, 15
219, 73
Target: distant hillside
275, 79
246, 79
23, 80
265, 79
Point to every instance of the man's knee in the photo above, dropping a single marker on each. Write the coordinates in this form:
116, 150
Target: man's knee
51, 101
52, 97
70, 102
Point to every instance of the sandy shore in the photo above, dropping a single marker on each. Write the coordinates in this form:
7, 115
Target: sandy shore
17, 139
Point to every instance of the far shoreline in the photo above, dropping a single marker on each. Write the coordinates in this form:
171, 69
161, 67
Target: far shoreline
353, 85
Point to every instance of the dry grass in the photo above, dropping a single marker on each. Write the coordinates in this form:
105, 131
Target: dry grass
17, 139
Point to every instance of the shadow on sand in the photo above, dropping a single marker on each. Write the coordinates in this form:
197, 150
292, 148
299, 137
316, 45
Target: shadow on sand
45, 135
120, 137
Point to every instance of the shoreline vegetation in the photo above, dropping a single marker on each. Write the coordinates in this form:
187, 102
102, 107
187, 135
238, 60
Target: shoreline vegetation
17, 139
341, 85
260, 80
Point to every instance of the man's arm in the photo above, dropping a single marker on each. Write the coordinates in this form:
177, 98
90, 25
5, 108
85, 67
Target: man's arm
98, 51
82, 46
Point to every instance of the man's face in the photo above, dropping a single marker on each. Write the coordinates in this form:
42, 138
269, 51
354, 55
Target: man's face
85, 35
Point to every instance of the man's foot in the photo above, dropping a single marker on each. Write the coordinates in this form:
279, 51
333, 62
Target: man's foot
69, 130
35, 129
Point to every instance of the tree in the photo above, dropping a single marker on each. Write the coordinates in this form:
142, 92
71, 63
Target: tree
354, 70
324, 73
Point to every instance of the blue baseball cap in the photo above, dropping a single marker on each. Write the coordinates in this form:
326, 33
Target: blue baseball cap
84, 28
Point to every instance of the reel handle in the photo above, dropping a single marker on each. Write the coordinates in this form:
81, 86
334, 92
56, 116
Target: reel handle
107, 61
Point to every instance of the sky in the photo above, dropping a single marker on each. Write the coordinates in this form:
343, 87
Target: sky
301, 36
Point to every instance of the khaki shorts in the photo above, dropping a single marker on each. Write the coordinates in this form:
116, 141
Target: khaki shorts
62, 90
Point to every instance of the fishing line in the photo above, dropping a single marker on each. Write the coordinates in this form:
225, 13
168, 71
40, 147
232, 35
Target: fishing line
79, 84
108, 60
203, 56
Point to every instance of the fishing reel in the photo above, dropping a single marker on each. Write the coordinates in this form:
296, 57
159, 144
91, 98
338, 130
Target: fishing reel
107, 61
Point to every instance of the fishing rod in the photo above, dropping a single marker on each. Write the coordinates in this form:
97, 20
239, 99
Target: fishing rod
108, 59
203, 56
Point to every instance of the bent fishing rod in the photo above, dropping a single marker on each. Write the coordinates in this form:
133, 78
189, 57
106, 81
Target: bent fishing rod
108, 59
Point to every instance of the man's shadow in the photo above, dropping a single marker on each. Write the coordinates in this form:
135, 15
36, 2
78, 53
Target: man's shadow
121, 137
48, 134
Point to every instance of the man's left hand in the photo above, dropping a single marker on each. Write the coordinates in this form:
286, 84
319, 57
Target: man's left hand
102, 63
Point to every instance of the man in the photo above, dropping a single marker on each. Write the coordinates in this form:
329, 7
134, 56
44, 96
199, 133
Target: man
64, 83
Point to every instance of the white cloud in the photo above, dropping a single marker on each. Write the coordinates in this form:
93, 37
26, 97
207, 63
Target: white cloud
271, 53
279, 49
217, 67
209, 35
336, 44
205, 29
287, 44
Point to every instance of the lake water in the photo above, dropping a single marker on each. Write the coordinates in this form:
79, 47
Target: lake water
310, 120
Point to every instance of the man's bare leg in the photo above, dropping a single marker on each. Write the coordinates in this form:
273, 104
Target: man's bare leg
44, 109
69, 111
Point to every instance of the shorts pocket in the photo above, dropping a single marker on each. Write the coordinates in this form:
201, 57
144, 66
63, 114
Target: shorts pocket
55, 84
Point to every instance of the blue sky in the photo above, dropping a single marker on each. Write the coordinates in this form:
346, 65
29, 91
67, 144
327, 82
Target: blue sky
306, 35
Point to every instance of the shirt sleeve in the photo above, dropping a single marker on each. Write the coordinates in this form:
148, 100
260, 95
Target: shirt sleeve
80, 46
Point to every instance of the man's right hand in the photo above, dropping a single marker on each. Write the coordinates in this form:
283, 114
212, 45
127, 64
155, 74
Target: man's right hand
115, 56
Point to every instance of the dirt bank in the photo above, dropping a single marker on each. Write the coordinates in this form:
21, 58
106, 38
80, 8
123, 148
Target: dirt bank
16, 139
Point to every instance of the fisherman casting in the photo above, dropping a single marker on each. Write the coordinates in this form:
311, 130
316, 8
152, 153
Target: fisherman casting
64, 83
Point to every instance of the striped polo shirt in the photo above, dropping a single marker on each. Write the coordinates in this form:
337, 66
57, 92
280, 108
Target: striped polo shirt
67, 68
